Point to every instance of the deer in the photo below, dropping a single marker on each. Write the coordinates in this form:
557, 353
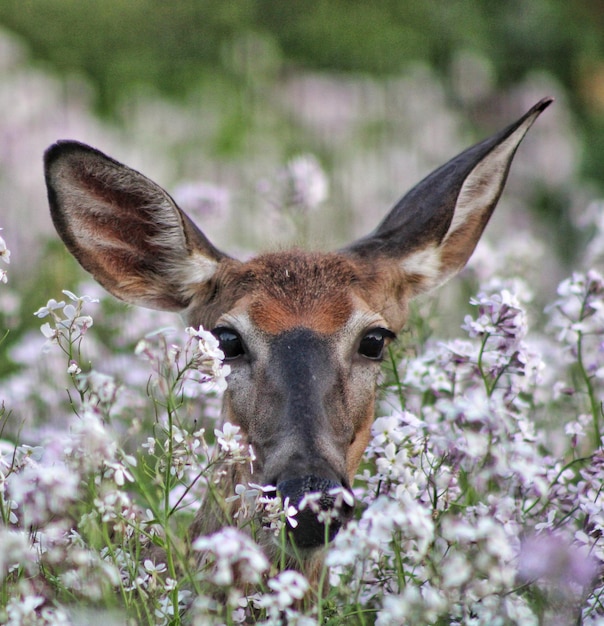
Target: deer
304, 332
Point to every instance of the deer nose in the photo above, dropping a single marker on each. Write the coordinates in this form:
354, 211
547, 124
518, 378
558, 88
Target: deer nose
321, 519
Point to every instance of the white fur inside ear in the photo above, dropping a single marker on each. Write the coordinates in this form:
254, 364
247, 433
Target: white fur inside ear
198, 269
481, 188
424, 263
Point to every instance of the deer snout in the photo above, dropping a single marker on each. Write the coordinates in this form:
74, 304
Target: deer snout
327, 505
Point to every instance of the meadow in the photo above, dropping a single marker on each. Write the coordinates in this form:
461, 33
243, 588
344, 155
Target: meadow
480, 497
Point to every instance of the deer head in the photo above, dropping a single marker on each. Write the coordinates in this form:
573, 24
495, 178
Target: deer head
304, 333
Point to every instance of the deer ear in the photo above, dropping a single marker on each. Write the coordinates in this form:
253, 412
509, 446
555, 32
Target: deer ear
126, 230
432, 231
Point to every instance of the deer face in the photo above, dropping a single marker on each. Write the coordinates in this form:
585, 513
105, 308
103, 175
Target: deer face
305, 348
304, 333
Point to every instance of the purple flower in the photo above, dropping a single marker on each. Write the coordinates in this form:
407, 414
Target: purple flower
551, 558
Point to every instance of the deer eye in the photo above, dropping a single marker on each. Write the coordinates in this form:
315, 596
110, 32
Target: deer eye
374, 341
230, 342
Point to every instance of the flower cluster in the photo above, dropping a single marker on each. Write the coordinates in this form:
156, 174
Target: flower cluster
80, 490
301, 185
577, 317
469, 510
235, 558
5, 256
306, 181
481, 492
198, 363
471, 517
67, 325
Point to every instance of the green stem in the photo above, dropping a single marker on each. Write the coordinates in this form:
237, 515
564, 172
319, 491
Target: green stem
483, 375
167, 509
397, 378
593, 402
586, 459
322, 578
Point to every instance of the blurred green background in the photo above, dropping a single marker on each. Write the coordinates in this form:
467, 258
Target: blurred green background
174, 47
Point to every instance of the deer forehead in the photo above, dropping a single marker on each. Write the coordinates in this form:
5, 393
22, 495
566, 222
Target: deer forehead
324, 292
300, 289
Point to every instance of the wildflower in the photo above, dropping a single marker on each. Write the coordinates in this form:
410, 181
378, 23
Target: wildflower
208, 359
165, 610
16, 551
149, 445
69, 325
576, 429
73, 369
5, 256
79, 300
500, 315
549, 557
250, 498
301, 185
120, 473
23, 610
100, 385
90, 446
387, 429
51, 305
287, 587
229, 439
4, 251
112, 504
43, 491
416, 605
234, 558
456, 570
580, 308
277, 512
52, 335
307, 182
203, 199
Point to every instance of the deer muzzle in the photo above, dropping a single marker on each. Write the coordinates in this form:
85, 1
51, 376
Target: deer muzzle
323, 507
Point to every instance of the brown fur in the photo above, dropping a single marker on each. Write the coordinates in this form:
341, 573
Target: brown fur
294, 289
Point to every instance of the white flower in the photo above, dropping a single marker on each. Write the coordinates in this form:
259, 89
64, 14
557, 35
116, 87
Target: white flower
43, 491
276, 512
387, 429
228, 438
120, 473
90, 446
154, 568
74, 369
16, 551
102, 386
415, 605
455, 570
4, 251
79, 299
288, 587
208, 359
23, 610
231, 552
51, 334
308, 182
51, 305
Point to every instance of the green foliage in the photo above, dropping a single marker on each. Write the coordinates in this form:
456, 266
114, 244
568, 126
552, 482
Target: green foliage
175, 48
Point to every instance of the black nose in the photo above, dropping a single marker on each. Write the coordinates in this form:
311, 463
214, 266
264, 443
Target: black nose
310, 532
